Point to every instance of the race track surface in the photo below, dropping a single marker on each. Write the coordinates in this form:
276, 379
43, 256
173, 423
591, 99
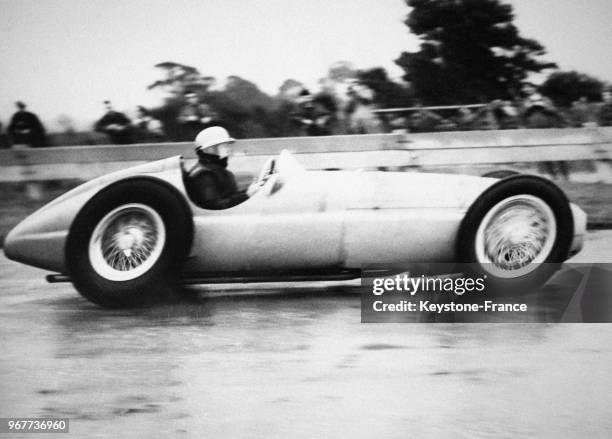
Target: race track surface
293, 361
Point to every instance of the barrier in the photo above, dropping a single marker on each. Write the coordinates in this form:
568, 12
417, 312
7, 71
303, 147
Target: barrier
346, 152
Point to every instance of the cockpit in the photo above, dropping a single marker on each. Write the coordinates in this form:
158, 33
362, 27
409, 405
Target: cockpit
217, 190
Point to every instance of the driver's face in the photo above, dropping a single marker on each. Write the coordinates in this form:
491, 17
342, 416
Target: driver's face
223, 150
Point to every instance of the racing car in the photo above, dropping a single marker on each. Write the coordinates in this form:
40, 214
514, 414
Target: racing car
129, 237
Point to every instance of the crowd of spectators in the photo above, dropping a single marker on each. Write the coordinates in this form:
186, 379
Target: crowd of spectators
195, 116
323, 113
122, 131
531, 111
358, 114
26, 129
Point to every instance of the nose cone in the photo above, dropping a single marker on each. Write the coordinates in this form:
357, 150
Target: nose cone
35, 242
11, 245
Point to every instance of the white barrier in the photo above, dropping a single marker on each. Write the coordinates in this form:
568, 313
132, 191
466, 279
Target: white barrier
345, 152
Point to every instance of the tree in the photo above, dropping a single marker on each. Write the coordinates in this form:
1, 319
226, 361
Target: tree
563, 88
247, 93
241, 106
341, 71
387, 93
180, 78
470, 51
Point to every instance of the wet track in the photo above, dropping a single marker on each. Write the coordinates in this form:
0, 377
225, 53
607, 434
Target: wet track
293, 361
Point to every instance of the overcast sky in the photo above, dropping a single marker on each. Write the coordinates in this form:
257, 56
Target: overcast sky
66, 56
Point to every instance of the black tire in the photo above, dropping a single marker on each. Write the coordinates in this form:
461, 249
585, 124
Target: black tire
501, 173
534, 186
162, 202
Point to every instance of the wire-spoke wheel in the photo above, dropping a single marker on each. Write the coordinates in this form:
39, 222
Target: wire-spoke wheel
516, 233
127, 242
127, 245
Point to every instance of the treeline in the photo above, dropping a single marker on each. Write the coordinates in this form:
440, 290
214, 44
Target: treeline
248, 112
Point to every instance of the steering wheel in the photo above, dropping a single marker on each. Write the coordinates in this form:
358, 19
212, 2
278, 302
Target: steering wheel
268, 169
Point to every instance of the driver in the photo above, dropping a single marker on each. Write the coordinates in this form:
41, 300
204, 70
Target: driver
212, 185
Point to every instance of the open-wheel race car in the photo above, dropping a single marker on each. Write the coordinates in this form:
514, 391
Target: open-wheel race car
129, 237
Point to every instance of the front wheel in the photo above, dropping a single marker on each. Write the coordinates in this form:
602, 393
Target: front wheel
127, 245
516, 233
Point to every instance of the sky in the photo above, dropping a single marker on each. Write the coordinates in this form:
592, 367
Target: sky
64, 57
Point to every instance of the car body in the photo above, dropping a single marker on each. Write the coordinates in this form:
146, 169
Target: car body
295, 224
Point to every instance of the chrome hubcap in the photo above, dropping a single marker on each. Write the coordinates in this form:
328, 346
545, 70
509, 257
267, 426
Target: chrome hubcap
127, 242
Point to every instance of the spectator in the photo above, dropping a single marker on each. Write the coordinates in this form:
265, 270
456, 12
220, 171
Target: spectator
398, 125
464, 118
1, 136
538, 111
25, 128
543, 116
362, 119
506, 115
115, 125
584, 113
604, 115
148, 129
447, 125
484, 117
314, 115
3, 141
195, 116
325, 104
423, 121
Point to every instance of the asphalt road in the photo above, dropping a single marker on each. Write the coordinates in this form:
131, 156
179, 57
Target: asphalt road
293, 361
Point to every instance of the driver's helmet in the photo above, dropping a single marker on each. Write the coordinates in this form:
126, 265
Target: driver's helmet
210, 138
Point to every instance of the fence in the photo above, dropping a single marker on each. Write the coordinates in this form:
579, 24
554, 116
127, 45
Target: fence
346, 152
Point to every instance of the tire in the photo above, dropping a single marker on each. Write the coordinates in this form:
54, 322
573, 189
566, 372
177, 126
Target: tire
517, 233
127, 245
501, 173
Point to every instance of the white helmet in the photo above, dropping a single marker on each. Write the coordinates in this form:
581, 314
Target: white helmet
212, 136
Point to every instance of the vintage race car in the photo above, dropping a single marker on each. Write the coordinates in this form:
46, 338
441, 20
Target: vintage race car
127, 237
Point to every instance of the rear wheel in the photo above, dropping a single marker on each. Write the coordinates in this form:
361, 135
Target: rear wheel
128, 243
517, 233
